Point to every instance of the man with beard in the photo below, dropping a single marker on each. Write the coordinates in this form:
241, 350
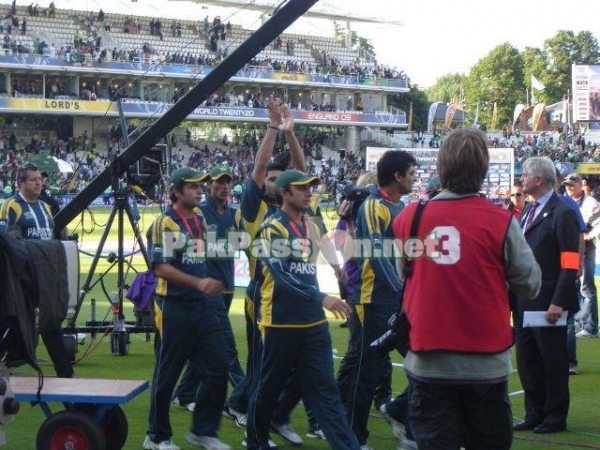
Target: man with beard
188, 329
258, 202
377, 289
222, 219
294, 329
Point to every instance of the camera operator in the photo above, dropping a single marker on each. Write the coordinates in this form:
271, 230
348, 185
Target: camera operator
31, 218
459, 355
376, 292
345, 233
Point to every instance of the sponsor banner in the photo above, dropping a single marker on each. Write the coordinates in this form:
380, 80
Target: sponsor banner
329, 116
69, 106
586, 93
449, 117
66, 198
284, 76
495, 185
155, 109
147, 67
431, 115
588, 169
517, 113
538, 117
241, 271
325, 276
260, 114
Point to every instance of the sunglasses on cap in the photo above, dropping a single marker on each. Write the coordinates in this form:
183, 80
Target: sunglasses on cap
29, 166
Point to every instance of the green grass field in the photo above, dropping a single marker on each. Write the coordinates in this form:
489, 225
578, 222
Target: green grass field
98, 362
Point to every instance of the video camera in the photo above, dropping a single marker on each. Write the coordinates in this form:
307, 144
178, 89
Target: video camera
355, 196
147, 172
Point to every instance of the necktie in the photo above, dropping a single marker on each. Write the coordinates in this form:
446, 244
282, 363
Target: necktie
530, 215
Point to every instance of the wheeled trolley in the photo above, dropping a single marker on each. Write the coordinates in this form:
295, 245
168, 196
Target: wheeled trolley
92, 418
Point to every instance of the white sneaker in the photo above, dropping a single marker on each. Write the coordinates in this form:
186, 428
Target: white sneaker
208, 442
189, 406
240, 419
149, 444
272, 445
399, 430
315, 434
287, 433
583, 334
365, 447
407, 444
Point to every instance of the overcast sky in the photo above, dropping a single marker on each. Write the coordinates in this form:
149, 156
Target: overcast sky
436, 36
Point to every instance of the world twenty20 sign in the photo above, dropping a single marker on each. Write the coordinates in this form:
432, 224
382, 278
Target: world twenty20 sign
495, 185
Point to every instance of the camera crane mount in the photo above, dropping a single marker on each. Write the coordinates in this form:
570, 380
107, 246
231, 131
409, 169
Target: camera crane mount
281, 19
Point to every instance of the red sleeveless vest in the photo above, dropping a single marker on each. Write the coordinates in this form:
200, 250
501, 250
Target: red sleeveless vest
456, 298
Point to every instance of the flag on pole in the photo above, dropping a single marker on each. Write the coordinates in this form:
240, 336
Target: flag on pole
517, 113
537, 84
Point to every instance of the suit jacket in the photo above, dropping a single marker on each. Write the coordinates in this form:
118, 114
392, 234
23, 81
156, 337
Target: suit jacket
554, 232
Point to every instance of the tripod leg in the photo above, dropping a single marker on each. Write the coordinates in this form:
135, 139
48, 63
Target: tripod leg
138, 235
88, 281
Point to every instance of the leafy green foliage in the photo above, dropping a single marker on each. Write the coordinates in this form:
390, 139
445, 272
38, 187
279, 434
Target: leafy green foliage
503, 75
448, 88
562, 51
420, 104
496, 78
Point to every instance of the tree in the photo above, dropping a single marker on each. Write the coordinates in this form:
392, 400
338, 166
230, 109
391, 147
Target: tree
420, 105
562, 50
535, 63
503, 76
447, 88
496, 78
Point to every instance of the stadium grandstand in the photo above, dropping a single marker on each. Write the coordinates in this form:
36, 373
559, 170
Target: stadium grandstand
64, 71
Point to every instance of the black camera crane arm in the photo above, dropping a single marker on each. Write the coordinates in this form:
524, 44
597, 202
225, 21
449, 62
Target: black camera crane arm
279, 21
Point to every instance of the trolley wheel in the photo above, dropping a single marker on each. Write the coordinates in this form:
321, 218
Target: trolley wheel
120, 343
115, 428
70, 342
72, 430
123, 344
113, 424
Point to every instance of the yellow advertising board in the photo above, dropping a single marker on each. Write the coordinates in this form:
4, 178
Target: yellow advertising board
58, 105
588, 168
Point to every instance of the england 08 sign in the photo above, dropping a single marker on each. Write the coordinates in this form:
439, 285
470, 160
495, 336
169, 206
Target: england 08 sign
496, 184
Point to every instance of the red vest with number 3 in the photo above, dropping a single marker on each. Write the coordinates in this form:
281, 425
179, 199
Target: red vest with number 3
456, 298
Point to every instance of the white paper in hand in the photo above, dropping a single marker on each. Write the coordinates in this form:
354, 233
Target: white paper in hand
538, 319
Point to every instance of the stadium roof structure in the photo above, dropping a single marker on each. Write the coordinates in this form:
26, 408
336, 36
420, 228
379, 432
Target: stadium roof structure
322, 10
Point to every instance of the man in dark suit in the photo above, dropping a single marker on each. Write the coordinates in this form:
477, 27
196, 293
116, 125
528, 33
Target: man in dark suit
551, 230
